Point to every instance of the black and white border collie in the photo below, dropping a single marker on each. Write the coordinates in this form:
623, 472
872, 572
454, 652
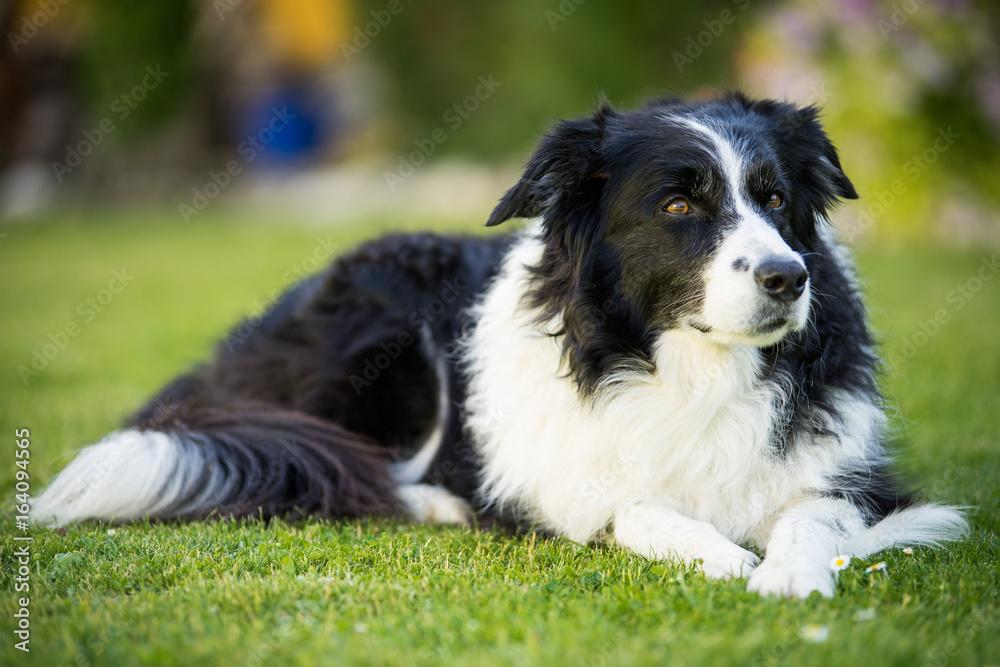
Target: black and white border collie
672, 356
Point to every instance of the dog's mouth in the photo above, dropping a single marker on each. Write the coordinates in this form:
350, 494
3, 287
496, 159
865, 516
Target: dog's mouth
767, 332
770, 326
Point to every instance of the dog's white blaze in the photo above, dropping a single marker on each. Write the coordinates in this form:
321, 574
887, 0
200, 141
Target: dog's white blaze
734, 168
732, 298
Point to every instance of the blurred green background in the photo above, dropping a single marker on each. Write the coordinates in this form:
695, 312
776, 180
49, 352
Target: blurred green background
431, 106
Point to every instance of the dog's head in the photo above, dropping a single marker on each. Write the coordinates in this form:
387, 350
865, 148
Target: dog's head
695, 216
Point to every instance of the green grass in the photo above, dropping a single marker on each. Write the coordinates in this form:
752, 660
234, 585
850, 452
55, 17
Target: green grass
383, 592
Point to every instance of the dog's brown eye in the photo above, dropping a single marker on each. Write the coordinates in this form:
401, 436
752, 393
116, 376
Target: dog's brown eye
775, 201
678, 207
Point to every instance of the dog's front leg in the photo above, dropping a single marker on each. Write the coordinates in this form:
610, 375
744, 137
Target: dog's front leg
801, 545
654, 530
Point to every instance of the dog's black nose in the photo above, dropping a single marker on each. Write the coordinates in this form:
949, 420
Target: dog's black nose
782, 279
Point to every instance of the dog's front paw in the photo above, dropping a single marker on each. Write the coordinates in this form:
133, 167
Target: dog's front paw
792, 579
729, 561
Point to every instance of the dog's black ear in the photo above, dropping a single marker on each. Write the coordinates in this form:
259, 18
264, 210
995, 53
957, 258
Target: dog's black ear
812, 163
566, 161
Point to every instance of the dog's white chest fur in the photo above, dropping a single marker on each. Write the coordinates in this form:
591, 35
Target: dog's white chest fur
697, 433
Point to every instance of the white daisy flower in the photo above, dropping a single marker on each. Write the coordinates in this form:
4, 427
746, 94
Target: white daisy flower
877, 567
840, 563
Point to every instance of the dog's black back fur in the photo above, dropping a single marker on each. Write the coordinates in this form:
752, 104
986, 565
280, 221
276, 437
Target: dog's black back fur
302, 409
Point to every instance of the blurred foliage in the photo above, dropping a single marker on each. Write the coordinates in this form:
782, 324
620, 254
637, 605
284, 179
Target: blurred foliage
894, 79
892, 76
553, 59
120, 43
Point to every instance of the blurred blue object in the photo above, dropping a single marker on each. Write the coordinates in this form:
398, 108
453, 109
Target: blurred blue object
294, 124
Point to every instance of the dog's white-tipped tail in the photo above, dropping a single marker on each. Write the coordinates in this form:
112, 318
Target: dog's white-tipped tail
921, 525
128, 475
245, 461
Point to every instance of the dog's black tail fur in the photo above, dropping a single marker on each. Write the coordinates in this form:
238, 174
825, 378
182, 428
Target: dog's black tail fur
191, 453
